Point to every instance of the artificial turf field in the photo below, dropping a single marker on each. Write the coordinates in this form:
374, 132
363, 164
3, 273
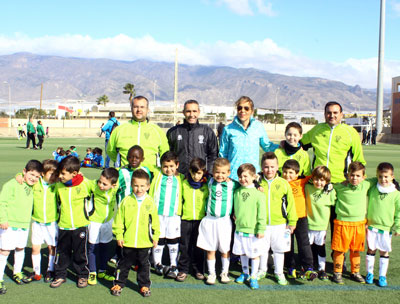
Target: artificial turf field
13, 157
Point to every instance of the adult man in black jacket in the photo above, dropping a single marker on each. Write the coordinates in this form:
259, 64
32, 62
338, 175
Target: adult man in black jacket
192, 139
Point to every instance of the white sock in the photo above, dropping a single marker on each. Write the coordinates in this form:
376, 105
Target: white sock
383, 266
211, 266
321, 263
279, 258
225, 264
244, 260
36, 259
255, 264
264, 262
173, 253
50, 267
3, 264
19, 257
369, 263
157, 254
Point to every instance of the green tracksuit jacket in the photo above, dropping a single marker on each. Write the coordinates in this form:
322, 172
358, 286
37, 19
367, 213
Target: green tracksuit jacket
44, 203
104, 203
301, 156
194, 202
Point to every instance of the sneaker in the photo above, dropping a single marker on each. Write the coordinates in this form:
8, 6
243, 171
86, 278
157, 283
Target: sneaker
281, 279
145, 291
323, 276
20, 278
225, 278
211, 279
382, 281
181, 277
369, 279
357, 277
82, 283
199, 276
172, 272
57, 282
33, 277
261, 275
254, 283
92, 279
49, 277
116, 290
291, 274
159, 269
311, 275
3, 288
103, 275
243, 277
337, 278
113, 261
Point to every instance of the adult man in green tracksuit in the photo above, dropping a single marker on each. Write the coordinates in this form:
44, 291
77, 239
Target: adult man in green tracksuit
138, 131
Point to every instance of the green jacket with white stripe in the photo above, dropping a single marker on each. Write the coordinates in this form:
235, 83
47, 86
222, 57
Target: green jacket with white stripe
104, 203
137, 224
335, 148
44, 203
194, 202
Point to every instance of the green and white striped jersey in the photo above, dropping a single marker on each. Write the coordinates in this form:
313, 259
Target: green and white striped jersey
125, 179
220, 198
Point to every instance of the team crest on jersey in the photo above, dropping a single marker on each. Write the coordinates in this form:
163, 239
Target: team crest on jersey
338, 138
218, 193
316, 196
82, 235
148, 207
180, 137
277, 187
201, 139
170, 179
297, 157
295, 191
147, 135
28, 190
78, 190
245, 196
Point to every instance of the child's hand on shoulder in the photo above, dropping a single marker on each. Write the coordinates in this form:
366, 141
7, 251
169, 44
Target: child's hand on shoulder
120, 243
155, 243
19, 178
4, 226
261, 189
260, 235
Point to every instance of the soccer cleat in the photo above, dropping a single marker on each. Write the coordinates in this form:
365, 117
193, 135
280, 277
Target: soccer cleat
261, 275
225, 278
103, 275
357, 277
32, 277
145, 291
92, 279
337, 278
369, 279
199, 276
291, 274
254, 283
3, 288
311, 275
382, 281
19, 278
159, 269
211, 279
57, 282
172, 272
323, 276
243, 277
181, 276
82, 283
116, 290
281, 279
49, 276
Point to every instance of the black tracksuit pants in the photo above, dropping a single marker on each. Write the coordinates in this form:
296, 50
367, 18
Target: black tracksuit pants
190, 254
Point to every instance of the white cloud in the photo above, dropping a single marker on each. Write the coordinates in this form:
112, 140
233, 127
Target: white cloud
264, 54
396, 7
247, 7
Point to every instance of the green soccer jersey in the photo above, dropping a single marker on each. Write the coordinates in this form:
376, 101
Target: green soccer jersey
44, 202
220, 198
318, 205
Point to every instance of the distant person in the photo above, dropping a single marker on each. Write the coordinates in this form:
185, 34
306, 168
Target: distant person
373, 136
47, 132
20, 132
364, 138
192, 139
108, 128
40, 134
369, 138
220, 129
31, 131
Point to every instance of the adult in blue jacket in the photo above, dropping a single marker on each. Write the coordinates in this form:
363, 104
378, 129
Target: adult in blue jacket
107, 129
241, 140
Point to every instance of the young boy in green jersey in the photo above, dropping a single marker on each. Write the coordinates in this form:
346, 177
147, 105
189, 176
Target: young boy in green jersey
195, 193
250, 218
73, 193
319, 198
16, 202
166, 190
349, 225
281, 216
100, 227
383, 219
215, 230
137, 229
292, 149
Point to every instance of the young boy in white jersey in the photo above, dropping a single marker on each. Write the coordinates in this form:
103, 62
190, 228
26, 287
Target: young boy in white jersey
137, 229
16, 203
320, 196
166, 190
216, 227
100, 227
250, 219
383, 219
195, 193
281, 216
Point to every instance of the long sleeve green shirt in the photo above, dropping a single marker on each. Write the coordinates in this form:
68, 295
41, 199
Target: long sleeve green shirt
194, 202
44, 203
40, 130
250, 210
104, 203
318, 205
30, 128
275, 190
137, 223
301, 156
16, 202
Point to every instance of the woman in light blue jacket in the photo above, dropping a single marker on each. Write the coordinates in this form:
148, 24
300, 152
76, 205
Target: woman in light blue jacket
240, 140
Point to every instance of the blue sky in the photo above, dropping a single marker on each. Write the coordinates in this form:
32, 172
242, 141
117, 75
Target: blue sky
331, 39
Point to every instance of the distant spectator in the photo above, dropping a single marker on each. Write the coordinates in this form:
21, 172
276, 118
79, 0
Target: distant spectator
364, 138
31, 131
111, 124
373, 136
369, 138
220, 129
47, 132
40, 134
21, 132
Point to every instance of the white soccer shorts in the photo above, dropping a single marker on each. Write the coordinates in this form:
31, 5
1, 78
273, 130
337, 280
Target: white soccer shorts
277, 238
215, 234
317, 237
13, 238
378, 239
100, 232
170, 226
250, 246
44, 233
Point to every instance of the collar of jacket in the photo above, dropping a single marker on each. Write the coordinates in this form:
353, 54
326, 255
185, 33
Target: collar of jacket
190, 126
134, 122
237, 121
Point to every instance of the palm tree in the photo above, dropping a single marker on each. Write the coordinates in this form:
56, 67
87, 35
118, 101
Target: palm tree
103, 100
129, 88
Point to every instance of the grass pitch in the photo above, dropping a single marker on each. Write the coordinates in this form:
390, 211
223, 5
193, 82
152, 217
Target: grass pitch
13, 157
